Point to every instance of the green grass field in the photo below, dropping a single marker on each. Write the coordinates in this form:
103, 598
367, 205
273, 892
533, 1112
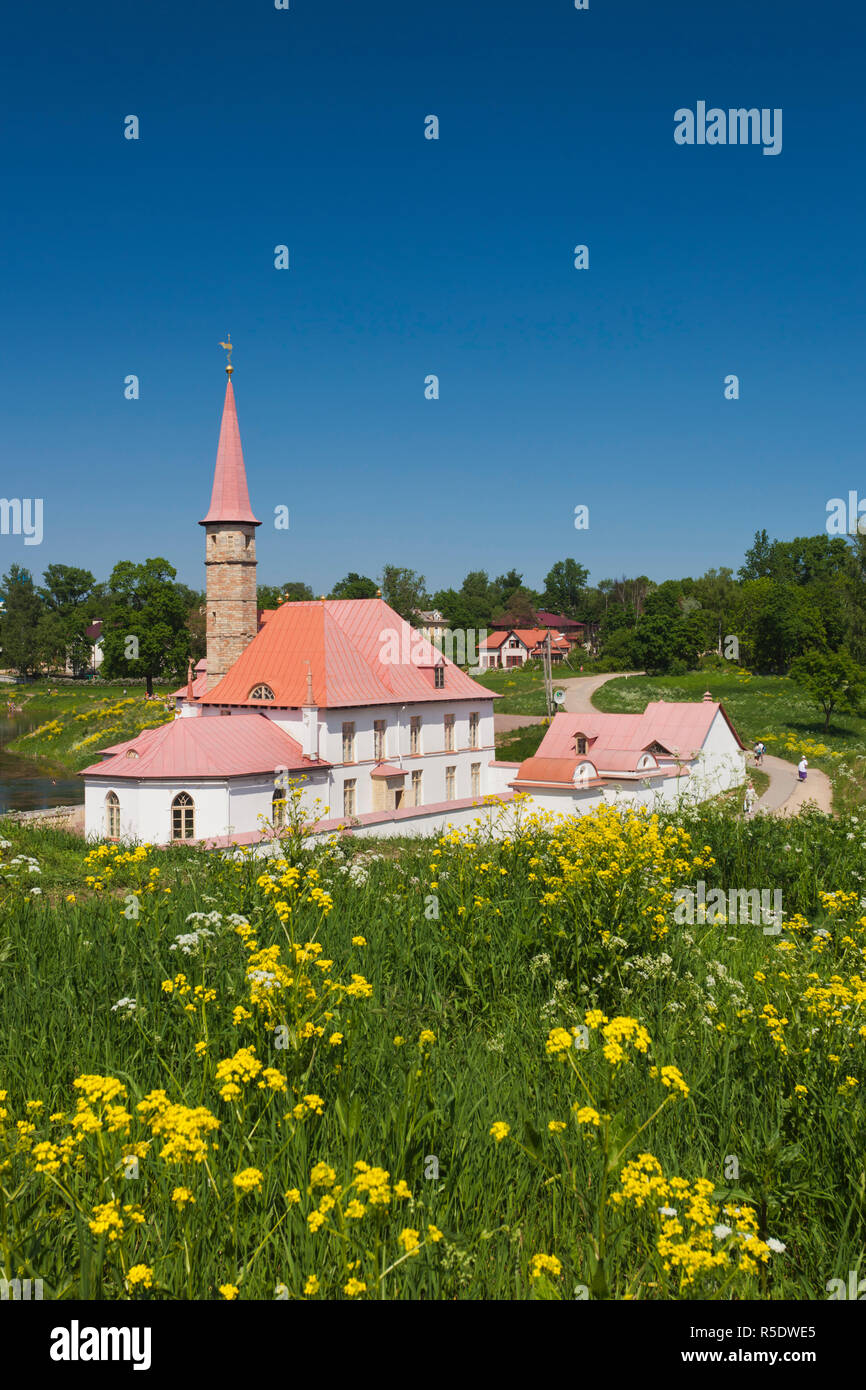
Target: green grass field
522, 689
450, 1069
516, 744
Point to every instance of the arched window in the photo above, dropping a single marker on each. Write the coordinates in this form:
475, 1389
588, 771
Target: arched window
112, 816
261, 692
278, 808
182, 817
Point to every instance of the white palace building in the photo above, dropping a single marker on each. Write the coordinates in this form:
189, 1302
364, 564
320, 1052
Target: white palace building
384, 735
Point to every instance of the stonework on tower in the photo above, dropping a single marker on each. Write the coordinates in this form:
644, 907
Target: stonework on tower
230, 552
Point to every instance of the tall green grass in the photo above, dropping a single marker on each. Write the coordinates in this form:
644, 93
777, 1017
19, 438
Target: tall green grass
489, 982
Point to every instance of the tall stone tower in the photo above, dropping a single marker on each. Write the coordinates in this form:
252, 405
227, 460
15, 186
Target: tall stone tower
230, 551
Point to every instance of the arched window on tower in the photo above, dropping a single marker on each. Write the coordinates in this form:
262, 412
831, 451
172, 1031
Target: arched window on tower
112, 816
183, 817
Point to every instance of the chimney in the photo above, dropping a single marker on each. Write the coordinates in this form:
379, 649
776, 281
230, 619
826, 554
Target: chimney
310, 744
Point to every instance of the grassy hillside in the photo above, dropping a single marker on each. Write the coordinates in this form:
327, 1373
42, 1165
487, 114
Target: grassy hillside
76, 721
516, 744
522, 689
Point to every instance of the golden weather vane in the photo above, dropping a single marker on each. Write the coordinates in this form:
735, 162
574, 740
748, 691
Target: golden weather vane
228, 347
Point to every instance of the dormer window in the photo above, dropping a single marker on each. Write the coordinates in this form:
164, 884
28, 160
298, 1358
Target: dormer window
581, 745
261, 692
439, 678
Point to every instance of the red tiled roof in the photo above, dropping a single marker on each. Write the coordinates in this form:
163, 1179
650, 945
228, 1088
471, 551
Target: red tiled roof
556, 620
559, 771
348, 644
387, 770
679, 726
557, 644
230, 499
206, 746
529, 636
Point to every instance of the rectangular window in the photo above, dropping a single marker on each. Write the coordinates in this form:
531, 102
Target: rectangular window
439, 677
349, 797
449, 733
473, 730
348, 743
581, 745
416, 788
415, 734
379, 726
450, 783
475, 770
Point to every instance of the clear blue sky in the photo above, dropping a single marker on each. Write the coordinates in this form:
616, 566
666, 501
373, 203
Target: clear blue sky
409, 257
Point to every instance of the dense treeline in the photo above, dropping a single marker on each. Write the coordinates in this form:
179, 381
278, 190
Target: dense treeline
797, 606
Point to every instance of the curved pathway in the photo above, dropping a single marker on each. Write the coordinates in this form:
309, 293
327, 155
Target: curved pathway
786, 794
579, 691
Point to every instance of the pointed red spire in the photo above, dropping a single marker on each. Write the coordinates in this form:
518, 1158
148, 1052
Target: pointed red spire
230, 499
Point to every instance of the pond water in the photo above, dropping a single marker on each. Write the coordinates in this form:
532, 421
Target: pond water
31, 786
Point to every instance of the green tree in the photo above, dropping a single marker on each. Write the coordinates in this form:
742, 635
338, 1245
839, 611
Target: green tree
758, 560
147, 613
404, 591
620, 651
55, 643
356, 586
832, 679
470, 606
297, 592
779, 621
273, 595
68, 595
564, 588
504, 586
19, 621
268, 596
520, 611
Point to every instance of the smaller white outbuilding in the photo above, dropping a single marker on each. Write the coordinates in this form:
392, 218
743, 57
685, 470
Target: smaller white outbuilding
672, 751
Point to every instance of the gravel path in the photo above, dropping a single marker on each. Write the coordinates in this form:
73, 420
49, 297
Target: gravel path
579, 691
786, 794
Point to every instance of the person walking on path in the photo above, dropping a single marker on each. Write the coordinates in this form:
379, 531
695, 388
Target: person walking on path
759, 753
749, 800
801, 769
